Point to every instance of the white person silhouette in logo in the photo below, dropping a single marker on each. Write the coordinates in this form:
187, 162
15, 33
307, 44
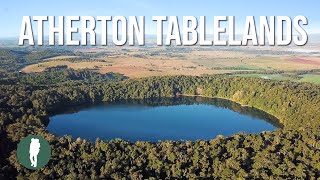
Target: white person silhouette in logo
34, 151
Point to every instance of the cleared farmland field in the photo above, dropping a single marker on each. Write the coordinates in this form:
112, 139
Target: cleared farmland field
136, 63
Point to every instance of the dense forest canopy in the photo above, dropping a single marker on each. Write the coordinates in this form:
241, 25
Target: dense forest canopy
290, 152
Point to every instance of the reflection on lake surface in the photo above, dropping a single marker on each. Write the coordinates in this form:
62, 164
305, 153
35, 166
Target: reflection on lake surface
182, 118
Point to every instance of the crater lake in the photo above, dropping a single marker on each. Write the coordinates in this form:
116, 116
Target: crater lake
182, 118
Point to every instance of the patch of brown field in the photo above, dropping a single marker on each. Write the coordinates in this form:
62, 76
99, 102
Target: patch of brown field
138, 72
229, 59
77, 65
61, 57
138, 67
280, 63
315, 61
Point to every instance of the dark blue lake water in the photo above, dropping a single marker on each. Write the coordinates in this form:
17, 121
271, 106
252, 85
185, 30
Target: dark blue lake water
185, 118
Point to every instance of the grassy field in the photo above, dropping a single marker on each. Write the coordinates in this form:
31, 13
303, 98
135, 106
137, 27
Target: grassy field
279, 77
313, 78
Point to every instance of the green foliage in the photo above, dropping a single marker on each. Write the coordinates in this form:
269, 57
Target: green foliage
288, 153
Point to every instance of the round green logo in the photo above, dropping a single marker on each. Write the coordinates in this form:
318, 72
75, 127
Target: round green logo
33, 152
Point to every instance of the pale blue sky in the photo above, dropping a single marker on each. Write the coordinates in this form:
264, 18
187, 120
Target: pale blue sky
11, 11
